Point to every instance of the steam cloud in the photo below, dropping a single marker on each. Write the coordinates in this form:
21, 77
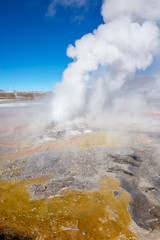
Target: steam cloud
105, 61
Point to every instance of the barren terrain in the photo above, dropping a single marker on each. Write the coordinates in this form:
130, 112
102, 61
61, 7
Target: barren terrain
76, 182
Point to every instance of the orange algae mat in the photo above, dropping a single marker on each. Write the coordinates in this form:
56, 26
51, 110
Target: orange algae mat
71, 215
109, 139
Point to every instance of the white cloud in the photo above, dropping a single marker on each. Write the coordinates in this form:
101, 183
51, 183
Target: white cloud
135, 9
65, 3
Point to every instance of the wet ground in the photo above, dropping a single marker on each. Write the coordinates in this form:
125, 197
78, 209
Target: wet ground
77, 182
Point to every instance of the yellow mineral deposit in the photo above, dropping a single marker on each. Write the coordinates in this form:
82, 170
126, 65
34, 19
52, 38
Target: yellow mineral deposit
71, 215
109, 139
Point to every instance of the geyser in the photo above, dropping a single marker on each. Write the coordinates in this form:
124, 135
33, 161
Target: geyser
106, 60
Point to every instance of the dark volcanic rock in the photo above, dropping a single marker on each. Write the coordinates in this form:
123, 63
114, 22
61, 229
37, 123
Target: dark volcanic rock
8, 233
139, 206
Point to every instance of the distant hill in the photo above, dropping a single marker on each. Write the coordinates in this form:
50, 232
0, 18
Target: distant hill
23, 95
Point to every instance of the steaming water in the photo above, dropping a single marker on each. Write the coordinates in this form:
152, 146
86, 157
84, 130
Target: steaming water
98, 84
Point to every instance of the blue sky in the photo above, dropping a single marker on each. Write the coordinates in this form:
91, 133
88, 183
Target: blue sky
34, 38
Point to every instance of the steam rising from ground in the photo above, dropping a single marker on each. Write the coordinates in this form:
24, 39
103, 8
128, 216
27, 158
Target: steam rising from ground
99, 83
24, 120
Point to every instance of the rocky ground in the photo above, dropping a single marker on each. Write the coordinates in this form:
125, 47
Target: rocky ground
74, 183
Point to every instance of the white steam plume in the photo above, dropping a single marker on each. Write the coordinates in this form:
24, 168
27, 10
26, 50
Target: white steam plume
109, 57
